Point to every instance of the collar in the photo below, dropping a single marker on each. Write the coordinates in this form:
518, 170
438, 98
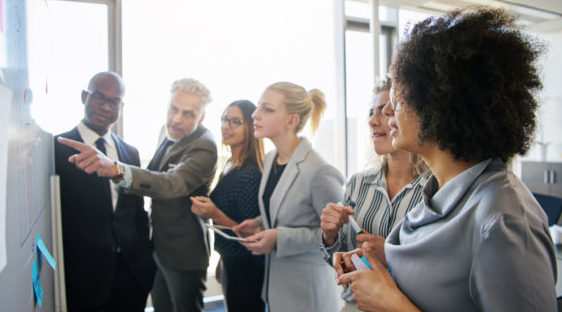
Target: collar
301, 151
90, 137
379, 179
190, 137
438, 203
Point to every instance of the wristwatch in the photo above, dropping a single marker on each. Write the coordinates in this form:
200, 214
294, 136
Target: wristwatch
120, 172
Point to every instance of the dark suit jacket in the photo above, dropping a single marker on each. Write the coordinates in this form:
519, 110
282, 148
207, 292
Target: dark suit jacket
93, 234
187, 169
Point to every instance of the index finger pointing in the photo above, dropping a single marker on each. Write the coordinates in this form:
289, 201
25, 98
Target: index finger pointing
79, 146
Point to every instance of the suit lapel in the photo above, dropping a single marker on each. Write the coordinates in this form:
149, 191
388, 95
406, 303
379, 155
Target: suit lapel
180, 146
267, 163
287, 178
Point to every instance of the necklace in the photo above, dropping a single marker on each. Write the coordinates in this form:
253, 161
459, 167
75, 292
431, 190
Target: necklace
275, 167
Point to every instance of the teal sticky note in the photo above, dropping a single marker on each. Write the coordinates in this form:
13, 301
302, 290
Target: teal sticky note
45, 251
366, 262
37, 289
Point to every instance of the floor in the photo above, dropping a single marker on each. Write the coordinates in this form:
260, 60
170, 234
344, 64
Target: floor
214, 303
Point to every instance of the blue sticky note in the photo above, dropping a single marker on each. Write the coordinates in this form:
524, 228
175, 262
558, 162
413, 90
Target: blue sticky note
45, 251
366, 262
37, 289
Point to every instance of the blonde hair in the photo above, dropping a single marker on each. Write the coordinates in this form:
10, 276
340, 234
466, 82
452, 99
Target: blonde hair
305, 104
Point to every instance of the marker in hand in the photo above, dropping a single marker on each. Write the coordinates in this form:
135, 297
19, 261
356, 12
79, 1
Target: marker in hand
359, 263
354, 225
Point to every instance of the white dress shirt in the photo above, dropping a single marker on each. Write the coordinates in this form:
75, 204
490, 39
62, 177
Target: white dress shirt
90, 137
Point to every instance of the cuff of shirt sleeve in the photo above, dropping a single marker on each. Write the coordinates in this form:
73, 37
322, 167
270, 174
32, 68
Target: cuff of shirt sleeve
328, 251
127, 177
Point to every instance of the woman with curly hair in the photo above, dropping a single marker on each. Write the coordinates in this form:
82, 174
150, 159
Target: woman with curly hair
463, 99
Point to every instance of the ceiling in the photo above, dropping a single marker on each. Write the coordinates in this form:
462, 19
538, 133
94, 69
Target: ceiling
535, 15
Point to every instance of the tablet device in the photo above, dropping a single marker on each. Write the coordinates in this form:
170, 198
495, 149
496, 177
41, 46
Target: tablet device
217, 229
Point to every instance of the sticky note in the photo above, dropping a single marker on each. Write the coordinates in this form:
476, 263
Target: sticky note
45, 251
37, 289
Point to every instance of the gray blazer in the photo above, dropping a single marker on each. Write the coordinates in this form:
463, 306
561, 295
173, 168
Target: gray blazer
187, 169
296, 276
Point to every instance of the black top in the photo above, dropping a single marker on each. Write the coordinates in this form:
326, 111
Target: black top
272, 180
236, 194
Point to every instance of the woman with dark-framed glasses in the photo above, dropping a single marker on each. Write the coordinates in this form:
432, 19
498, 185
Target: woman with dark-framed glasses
233, 200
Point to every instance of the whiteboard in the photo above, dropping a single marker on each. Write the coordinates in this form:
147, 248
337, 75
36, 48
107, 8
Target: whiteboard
26, 165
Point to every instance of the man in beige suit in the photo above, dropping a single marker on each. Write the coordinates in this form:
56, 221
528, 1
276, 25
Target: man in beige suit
183, 166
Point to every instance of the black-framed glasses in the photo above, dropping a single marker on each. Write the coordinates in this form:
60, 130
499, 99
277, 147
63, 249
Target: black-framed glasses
232, 122
99, 98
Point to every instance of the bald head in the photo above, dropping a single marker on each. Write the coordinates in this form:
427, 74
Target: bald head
102, 101
107, 80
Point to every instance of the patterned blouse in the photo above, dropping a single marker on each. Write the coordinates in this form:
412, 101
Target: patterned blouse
366, 192
236, 194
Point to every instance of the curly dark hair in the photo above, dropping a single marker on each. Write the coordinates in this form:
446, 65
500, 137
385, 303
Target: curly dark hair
471, 78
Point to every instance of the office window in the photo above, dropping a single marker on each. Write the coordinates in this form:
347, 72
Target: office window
360, 76
72, 49
236, 48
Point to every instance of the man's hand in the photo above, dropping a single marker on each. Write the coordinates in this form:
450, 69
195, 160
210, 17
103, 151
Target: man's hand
203, 207
90, 160
334, 216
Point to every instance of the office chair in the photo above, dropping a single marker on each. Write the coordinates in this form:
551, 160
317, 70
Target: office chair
551, 205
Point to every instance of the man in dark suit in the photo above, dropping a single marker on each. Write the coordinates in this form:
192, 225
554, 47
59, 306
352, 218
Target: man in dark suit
107, 249
182, 166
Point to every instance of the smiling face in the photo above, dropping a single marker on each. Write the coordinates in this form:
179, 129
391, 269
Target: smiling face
271, 118
403, 121
233, 127
185, 114
99, 113
380, 131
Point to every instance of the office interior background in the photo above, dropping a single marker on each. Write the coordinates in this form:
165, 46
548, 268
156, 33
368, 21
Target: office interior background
239, 47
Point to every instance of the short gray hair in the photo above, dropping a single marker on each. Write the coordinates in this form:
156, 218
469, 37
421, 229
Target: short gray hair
192, 86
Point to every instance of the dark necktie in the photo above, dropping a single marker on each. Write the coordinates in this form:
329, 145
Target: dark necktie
155, 162
100, 145
104, 183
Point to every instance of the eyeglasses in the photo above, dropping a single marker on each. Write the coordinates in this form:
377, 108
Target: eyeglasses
99, 98
232, 122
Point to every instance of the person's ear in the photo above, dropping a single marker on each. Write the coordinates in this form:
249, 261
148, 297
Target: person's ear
201, 120
84, 97
294, 121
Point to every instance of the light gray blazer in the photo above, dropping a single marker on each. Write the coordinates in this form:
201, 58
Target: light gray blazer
186, 169
296, 277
